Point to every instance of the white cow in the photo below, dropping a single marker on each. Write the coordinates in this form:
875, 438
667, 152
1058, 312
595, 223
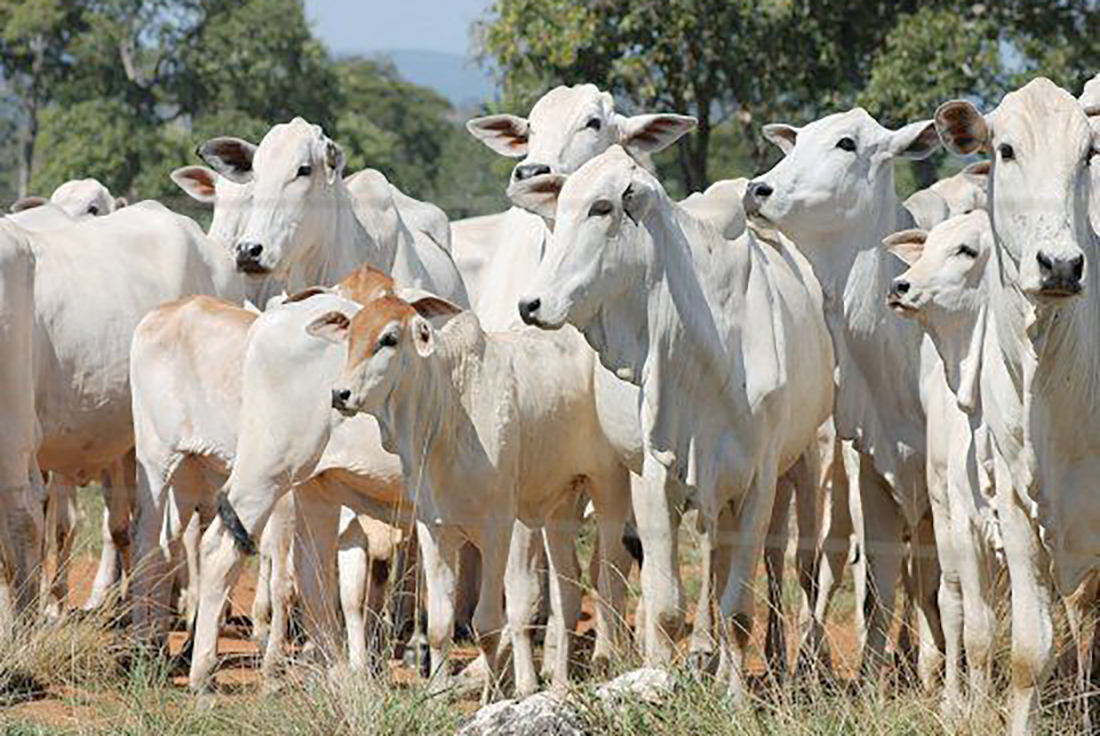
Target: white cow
946, 289
729, 401
956, 195
93, 282
500, 422
1040, 367
77, 198
20, 484
833, 194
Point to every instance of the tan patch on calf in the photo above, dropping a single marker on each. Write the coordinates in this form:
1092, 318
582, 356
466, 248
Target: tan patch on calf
368, 323
364, 285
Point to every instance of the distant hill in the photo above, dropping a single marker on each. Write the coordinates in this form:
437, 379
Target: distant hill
455, 77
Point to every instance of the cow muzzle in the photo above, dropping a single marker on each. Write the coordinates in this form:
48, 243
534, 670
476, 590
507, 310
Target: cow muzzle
1060, 277
248, 257
340, 399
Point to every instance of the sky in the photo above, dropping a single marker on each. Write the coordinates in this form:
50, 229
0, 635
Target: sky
373, 25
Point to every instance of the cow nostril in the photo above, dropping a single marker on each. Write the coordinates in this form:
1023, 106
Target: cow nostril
901, 287
530, 171
1045, 263
761, 190
1077, 267
340, 397
255, 250
527, 309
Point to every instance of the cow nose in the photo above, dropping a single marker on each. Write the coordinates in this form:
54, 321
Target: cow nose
248, 255
340, 397
755, 196
529, 171
901, 286
527, 309
1060, 275
761, 190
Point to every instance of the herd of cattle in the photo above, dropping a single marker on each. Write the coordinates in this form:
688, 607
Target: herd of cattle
920, 378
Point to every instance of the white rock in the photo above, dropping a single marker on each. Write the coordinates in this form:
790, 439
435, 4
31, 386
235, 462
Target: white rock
647, 685
542, 714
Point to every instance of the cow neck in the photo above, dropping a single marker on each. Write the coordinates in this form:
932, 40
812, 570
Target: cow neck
348, 244
428, 402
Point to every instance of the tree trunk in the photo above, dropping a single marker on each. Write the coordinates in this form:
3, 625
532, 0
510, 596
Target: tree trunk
693, 156
30, 106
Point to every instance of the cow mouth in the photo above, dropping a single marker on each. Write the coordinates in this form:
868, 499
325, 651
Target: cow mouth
252, 268
346, 411
900, 307
1056, 291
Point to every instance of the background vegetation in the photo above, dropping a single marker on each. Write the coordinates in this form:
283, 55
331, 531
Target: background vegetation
123, 90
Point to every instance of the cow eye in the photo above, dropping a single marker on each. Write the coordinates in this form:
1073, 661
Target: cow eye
388, 340
305, 170
846, 144
1090, 156
601, 208
594, 124
1007, 152
966, 250
93, 210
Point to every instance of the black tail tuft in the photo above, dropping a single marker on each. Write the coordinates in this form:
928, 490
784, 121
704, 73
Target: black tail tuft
633, 542
232, 522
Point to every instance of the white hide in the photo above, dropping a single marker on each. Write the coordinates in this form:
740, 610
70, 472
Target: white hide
703, 325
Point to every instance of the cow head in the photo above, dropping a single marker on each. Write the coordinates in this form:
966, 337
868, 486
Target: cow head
944, 289
232, 202
291, 172
569, 126
599, 251
385, 340
834, 172
1041, 146
86, 198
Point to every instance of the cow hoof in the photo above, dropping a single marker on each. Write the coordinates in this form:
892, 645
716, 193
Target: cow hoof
705, 663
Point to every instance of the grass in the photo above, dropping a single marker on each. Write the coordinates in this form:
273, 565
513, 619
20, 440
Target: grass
68, 678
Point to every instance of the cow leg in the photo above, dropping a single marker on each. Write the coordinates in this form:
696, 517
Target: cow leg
150, 586
438, 549
611, 500
469, 577
192, 539
750, 528
60, 525
561, 546
521, 601
1032, 623
977, 573
950, 597
1080, 612
775, 550
926, 578
489, 616
315, 541
884, 553
805, 475
353, 562
832, 555
281, 587
658, 524
118, 484
377, 584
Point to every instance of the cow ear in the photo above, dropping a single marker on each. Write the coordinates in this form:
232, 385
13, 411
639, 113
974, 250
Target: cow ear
652, 133
331, 326
538, 195
638, 199
334, 161
230, 157
121, 202
423, 336
505, 134
426, 304
27, 203
916, 140
908, 245
782, 135
961, 127
198, 182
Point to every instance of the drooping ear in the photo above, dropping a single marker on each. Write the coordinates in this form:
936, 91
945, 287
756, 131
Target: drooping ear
505, 134
199, 182
978, 169
426, 304
638, 199
782, 135
423, 336
121, 202
230, 157
27, 203
908, 245
538, 195
331, 326
334, 160
916, 140
652, 133
961, 127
